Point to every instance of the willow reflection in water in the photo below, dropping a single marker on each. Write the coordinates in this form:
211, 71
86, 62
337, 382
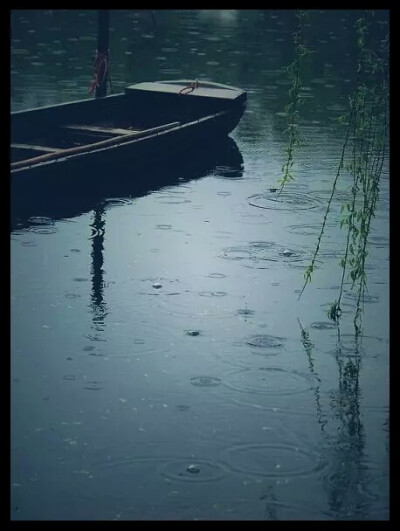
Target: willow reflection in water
347, 478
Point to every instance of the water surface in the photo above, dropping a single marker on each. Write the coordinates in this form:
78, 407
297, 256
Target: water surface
158, 369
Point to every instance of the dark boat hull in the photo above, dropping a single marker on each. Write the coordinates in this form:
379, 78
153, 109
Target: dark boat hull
200, 117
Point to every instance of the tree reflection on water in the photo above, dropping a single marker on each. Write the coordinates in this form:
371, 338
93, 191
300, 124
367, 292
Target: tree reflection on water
98, 304
347, 477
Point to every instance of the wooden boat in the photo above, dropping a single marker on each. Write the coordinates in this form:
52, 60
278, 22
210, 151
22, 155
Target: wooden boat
146, 123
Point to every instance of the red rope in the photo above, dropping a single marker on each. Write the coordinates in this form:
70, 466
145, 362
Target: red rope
101, 70
190, 88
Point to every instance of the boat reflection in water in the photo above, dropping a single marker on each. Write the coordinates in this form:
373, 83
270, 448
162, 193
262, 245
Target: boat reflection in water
67, 196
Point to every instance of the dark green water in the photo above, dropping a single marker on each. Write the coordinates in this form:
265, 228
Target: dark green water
197, 399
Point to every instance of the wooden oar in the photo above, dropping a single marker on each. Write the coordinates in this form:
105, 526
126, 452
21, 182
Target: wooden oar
31, 147
62, 153
101, 130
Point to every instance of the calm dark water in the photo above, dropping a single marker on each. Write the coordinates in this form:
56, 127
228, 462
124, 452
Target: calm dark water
197, 399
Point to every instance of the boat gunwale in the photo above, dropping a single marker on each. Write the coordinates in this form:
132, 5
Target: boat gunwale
202, 83
55, 106
122, 95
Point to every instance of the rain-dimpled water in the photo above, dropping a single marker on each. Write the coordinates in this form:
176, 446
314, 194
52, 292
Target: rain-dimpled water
163, 366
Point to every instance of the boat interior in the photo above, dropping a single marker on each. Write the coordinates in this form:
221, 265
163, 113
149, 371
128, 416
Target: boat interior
54, 136
65, 138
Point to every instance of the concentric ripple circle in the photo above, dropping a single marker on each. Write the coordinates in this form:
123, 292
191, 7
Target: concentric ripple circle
164, 226
228, 172
179, 469
42, 229
41, 220
268, 381
171, 200
273, 460
263, 254
216, 275
93, 385
205, 381
307, 229
28, 243
285, 201
180, 189
236, 253
263, 342
117, 201
185, 306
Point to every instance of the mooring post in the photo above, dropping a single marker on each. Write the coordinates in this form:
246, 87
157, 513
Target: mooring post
103, 42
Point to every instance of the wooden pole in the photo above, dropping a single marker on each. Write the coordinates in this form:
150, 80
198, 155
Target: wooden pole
103, 44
